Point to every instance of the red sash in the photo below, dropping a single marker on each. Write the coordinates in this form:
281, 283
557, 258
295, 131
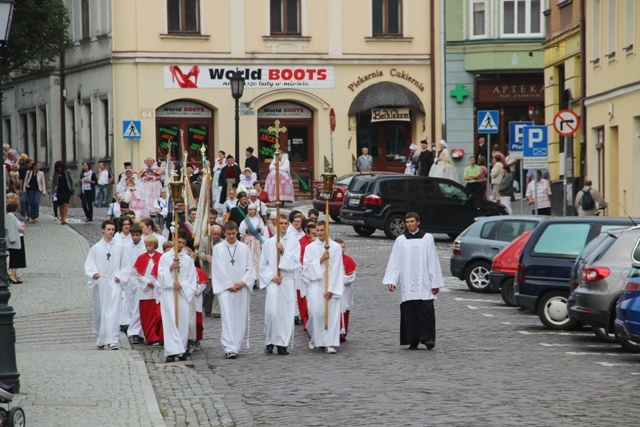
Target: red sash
349, 264
202, 276
143, 262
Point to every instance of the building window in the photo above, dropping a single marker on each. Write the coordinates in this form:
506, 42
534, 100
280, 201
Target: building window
630, 28
612, 29
43, 135
24, 124
596, 32
183, 16
478, 18
105, 147
522, 18
285, 17
387, 17
84, 16
71, 137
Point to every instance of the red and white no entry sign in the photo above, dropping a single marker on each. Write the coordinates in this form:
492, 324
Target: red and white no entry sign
566, 122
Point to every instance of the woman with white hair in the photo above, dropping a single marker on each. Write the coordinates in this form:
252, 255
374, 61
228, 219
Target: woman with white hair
253, 232
443, 166
412, 161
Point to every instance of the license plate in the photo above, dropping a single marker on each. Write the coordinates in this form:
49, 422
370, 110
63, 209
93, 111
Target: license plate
354, 201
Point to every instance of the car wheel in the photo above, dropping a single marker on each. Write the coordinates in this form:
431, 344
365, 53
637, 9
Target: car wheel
508, 291
335, 218
477, 276
395, 226
553, 311
627, 344
603, 335
364, 231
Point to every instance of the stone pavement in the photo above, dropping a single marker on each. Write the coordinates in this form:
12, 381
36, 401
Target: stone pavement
64, 380
492, 366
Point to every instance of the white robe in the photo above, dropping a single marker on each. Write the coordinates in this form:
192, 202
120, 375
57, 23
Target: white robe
176, 337
106, 259
346, 302
280, 300
131, 293
234, 306
414, 268
313, 272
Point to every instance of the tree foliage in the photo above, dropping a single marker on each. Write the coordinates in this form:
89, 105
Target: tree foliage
39, 33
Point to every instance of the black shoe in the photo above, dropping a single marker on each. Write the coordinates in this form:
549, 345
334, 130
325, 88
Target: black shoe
231, 355
183, 356
269, 349
430, 344
297, 320
282, 350
170, 359
413, 347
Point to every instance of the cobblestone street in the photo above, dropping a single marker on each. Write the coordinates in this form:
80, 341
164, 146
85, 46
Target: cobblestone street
492, 365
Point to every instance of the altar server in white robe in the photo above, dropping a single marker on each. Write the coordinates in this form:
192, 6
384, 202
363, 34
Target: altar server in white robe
280, 300
106, 269
176, 337
313, 270
414, 269
133, 250
231, 269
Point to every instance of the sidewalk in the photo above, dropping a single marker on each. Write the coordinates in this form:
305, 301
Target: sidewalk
64, 380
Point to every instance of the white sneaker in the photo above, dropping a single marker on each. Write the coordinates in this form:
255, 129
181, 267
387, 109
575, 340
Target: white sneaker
330, 350
113, 347
312, 346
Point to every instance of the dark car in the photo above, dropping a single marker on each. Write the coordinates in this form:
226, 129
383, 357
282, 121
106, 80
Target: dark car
380, 202
542, 279
339, 189
475, 247
627, 324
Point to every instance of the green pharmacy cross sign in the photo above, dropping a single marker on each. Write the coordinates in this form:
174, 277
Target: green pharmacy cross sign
459, 93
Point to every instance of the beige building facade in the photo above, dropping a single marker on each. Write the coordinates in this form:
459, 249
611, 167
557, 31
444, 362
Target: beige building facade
165, 66
612, 101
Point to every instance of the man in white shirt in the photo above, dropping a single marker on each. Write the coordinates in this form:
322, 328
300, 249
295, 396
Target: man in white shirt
539, 195
102, 188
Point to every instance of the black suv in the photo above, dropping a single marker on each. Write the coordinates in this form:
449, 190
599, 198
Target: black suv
381, 202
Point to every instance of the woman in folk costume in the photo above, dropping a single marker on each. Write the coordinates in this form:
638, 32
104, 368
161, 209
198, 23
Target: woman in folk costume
151, 176
132, 189
216, 167
286, 184
442, 165
346, 301
412, 161
146, 269
253, 233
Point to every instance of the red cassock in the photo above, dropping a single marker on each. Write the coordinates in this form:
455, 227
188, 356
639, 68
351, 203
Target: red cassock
202, 279
150, 317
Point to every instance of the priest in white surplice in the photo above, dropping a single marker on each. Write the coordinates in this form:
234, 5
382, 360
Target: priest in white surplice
231, 269
106, 269
313, 269
176, 337
414, 269
280, 301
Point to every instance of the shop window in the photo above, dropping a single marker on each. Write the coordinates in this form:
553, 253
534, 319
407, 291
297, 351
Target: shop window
522, 18
387, 18
478, 18
285, 17
183, 16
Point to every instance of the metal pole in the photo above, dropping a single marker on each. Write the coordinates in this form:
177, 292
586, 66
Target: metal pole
535, 191
489, 187
523, 189
8, 367
564, 180
333, 165
238, 131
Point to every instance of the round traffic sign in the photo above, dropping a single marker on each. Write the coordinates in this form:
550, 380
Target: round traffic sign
566, 122
332, 119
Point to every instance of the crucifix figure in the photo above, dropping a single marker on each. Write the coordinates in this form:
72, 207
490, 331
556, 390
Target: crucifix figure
108, 255
277, 130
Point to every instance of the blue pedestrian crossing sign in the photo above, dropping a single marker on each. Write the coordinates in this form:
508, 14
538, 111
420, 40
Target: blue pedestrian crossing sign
488, 121
535, 147
131, 129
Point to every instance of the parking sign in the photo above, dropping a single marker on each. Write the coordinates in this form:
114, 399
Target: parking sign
535, 147
515, 138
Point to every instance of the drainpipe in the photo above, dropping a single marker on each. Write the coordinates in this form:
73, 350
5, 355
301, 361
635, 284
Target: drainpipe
443, 65
432, 48
583, 93
63, 131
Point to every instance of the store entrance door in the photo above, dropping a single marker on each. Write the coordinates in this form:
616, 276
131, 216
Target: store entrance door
388, 143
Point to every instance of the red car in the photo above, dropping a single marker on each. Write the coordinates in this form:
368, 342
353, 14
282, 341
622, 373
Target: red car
504, 266
339, 190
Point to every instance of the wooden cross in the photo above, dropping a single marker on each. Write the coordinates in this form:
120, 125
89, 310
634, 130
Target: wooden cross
277, 130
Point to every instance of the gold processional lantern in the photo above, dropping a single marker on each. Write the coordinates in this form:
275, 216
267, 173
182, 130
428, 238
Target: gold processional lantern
328, 179
176, 187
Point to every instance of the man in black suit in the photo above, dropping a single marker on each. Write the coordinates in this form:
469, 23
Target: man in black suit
229, 177
481, 149
425, 161
252, 162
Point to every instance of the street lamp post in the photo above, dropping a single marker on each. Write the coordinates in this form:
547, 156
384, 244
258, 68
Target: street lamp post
236, 80
8, 368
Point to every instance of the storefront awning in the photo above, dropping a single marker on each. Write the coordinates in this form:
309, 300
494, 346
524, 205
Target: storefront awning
385, 94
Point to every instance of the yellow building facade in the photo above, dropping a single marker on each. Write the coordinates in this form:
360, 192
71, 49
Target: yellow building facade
613, 102
371, 67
